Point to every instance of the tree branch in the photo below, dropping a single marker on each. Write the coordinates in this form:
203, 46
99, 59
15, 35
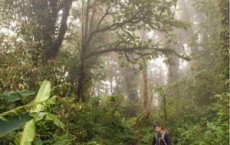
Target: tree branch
137, 48
62, 30
133, 19
128, 33
103, 17
92, 19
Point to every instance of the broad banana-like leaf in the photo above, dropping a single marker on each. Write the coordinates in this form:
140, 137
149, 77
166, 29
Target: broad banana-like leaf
25, 93
28, 133
42, 96
16, 95
12, 123
29, 130
11, 97
44, 92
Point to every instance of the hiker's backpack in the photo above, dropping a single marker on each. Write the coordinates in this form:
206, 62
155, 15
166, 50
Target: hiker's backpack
162, 137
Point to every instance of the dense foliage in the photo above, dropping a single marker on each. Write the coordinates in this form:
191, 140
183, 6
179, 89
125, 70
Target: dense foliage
103, 88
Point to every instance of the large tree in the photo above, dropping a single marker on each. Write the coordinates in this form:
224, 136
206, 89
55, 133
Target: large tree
101, 26
42, 23
117, 22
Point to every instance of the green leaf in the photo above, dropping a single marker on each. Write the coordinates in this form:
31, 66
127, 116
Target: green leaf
13, 123
42, 96
38, 141
44, 92
211, 125
11, 97
3, 118
55, 120
39, 116
26, 93
28, 133
63, 139
16, 95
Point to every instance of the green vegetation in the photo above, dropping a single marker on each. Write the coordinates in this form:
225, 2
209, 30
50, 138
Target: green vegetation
101, 72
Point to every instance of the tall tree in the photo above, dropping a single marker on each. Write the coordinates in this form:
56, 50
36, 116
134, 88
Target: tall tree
130, 82
42, 23
145, 86
224, 10
207, 65
116, 22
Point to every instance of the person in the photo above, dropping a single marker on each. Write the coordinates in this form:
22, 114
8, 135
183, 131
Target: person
162, 136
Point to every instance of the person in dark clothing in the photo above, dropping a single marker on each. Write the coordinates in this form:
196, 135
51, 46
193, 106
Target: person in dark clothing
162, 136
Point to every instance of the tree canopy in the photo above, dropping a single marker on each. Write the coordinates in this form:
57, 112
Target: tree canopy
108, 69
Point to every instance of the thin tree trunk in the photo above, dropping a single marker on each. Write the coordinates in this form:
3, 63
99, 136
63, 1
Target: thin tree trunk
130, 79
224, 10
164, 107
80, 84
83, 80
145, 87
